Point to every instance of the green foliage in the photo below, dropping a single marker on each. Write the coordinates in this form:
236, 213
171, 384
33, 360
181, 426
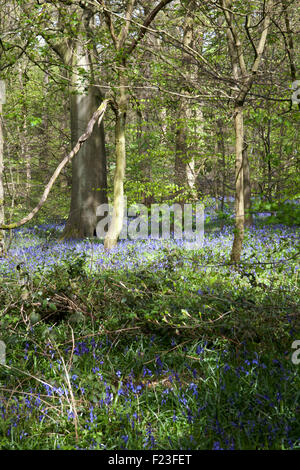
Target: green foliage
286, 212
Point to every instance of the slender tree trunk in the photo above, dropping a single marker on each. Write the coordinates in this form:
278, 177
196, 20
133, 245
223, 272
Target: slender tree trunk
184, 160
239, 185
215, 178
120, 108
185, 171
120, 149
221, 151
269, 162
2, 241
181, 152
144, 126
244, 81
118, 203
45, 150
247, 187
25, 154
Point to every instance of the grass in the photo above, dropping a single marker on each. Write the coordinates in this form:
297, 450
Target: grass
152, 346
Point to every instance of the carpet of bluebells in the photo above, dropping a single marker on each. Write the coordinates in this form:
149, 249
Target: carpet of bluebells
151, 346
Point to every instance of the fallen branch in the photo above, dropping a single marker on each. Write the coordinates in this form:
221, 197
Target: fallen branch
97, 116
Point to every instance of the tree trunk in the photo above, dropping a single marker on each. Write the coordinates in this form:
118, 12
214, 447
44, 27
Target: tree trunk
2, 241
89, 178
120, 109
88, 168
245, 79
181, 152
44, 156
184, 159
221, 151
239, 185
120, 148
118, 203
185, 172
247, 187
25, 154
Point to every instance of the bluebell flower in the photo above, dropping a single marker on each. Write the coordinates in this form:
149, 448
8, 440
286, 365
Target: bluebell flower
217, 446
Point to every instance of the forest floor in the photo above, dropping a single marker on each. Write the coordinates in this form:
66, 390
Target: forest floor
151, 346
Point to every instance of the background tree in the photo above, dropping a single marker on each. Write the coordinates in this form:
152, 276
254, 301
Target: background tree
244, 79
2, 245
123, 52
70, 38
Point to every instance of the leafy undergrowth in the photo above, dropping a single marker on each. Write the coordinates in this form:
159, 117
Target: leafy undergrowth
152, 346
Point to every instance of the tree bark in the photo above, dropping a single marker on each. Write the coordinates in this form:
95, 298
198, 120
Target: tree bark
184, 159
120, 150
25, 154
221, 151
88, 168
89, 177
2, 240
247, 187
239, 186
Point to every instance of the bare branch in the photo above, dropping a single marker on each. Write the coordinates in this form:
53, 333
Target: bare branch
148, 20
124, 31
247, 26
109, 22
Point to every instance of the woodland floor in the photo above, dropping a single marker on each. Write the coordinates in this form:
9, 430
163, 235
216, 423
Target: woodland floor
151, 346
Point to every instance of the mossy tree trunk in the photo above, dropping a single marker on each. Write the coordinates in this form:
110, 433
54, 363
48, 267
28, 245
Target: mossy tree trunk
120, 151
